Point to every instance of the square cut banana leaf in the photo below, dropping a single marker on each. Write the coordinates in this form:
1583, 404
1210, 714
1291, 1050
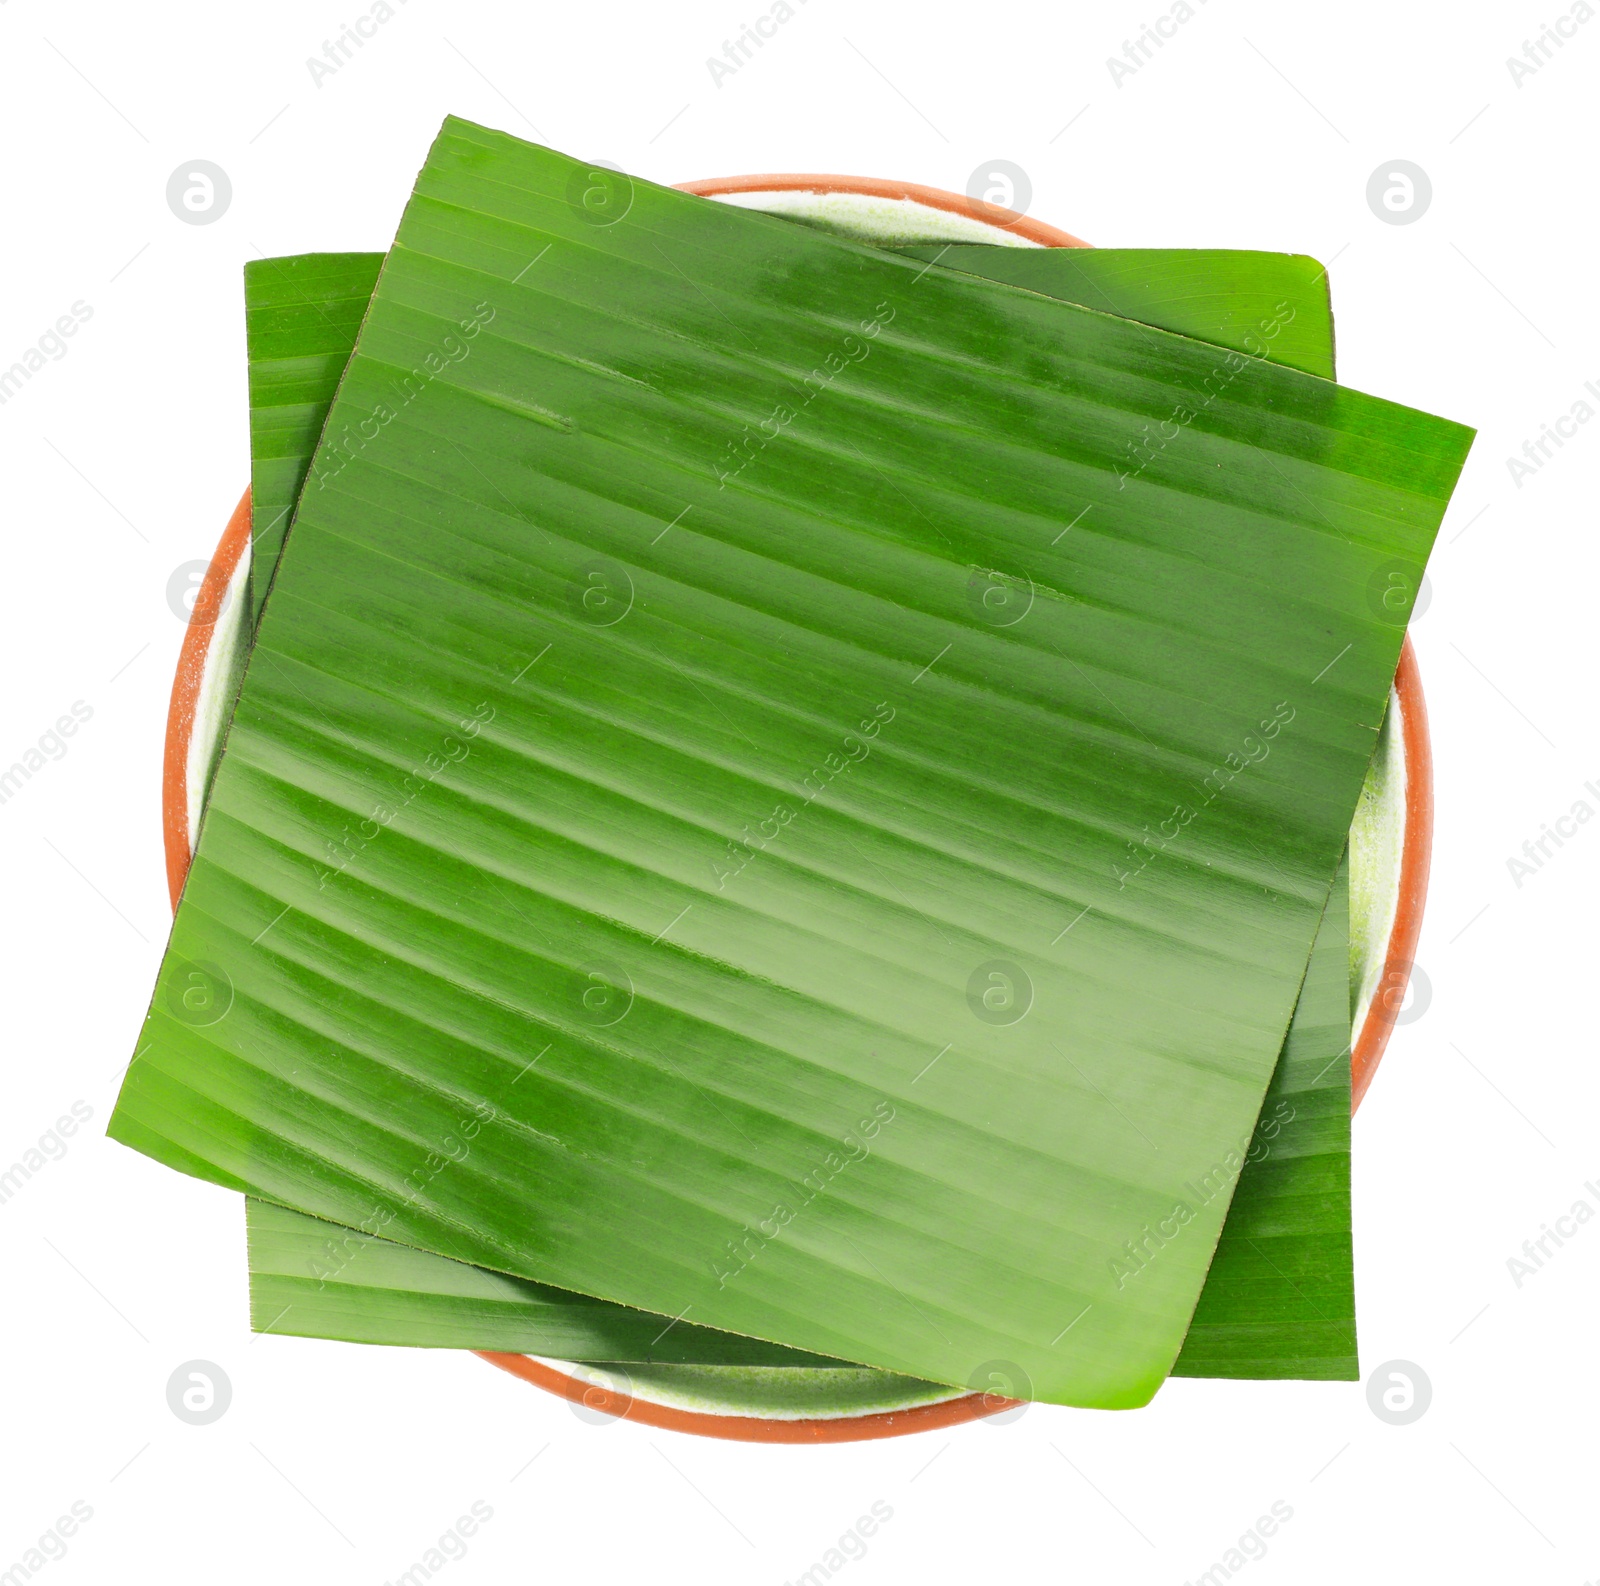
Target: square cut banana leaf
719, 683
1279, 1298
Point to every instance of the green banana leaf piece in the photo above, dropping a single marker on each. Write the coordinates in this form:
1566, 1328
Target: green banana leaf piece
303, 312
1279, 1299
1223, 295
301, 319
520, 912
377, 1292
308, 1277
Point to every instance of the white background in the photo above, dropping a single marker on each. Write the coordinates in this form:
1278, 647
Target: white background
1256, 126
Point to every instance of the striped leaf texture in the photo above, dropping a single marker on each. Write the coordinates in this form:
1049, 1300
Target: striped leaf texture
1279, 1299
782, 785
301, 319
